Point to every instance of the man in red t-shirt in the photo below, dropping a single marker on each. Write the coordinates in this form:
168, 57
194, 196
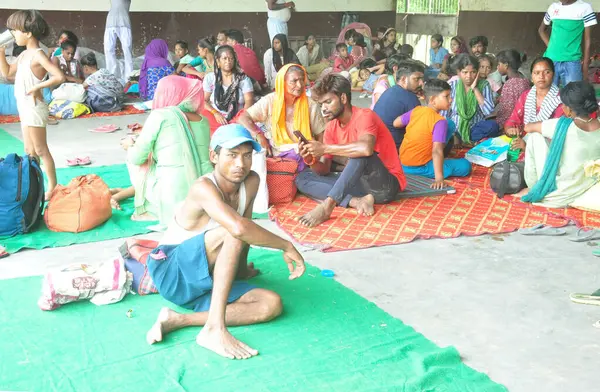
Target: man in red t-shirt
246, 57
356, 137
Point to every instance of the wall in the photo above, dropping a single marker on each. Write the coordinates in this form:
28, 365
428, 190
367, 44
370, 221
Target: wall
202, 5
172, 26
426, 24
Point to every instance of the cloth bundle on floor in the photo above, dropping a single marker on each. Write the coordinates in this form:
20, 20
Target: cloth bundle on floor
70, 92
105, 283
135, 253
80, 206
67, 109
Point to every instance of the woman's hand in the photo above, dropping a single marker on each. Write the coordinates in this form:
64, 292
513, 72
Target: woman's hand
512, 131
518, 144
264, 143
220, 119
474, 84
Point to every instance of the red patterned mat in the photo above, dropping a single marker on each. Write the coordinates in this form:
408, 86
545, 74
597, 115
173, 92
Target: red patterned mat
127, 110
471, 211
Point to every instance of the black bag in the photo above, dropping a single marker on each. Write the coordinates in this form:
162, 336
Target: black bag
508, 178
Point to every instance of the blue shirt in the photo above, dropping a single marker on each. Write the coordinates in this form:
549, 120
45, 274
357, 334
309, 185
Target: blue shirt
394, 102
437, 58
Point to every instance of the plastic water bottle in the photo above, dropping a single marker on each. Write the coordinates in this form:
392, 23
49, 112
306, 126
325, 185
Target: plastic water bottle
6, 38
513, 154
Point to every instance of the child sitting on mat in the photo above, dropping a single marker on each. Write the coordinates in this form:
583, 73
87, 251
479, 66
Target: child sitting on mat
427, 132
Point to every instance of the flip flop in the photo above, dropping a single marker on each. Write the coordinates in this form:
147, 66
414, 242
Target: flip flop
596, 252
84, 161
135, 127
108, 128
79, 161
585, 299
585, 234
541, 229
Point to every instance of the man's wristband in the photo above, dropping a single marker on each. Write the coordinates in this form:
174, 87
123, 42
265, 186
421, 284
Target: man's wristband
311, 162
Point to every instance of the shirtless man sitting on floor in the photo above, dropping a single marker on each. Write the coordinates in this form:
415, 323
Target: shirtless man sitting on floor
204, 251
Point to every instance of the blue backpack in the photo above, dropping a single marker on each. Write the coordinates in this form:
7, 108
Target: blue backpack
21, 194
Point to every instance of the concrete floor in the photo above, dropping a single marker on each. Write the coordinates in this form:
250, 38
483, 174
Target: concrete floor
502, 301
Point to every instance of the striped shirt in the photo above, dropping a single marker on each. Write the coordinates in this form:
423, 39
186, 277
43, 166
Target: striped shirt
482, 111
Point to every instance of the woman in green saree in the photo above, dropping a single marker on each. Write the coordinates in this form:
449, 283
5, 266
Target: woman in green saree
170, 152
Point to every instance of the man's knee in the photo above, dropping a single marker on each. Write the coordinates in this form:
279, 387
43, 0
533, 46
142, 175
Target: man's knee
303, 179
271, 305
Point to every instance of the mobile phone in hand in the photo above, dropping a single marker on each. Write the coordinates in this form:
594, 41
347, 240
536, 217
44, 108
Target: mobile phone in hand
301, 137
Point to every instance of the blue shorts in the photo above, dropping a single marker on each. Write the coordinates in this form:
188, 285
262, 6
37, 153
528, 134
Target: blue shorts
181, 276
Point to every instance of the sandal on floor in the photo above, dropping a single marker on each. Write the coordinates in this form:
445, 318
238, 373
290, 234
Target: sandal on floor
108, 128
585, 299
541, 229
135, 127
596, 252
79, 161
585, 234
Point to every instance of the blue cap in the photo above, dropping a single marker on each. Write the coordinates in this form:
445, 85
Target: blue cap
231, 136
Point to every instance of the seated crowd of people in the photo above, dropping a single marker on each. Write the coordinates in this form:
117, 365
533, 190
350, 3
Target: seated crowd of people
418, 112
190, 164
348, 156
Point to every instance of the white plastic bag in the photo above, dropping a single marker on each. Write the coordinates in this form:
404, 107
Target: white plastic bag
70, 92
259, 165
84, 281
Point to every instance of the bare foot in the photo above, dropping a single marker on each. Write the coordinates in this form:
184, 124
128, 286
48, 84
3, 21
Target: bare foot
249, 273
521, 193
143, 217
319, 214
115, 204
220, 341
48, 195
363, 205
165, 323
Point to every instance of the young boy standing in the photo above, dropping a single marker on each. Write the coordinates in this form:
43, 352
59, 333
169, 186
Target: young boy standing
571, 20
28, 27
422, 150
